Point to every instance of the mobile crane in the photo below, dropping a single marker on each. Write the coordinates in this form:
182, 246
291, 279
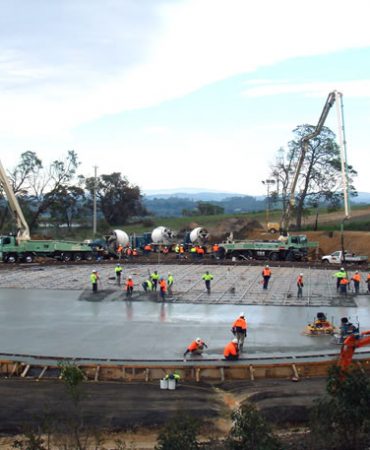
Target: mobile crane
333, 97
22, 248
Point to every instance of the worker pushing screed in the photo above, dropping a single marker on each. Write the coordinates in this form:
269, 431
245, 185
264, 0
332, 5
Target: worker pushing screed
195, 348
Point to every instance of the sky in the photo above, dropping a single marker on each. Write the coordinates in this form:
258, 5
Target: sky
180, 93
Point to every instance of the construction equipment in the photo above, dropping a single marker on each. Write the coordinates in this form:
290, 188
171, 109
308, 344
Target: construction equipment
292, 248
350, 344
163, 235
22, 248
320, 326
333, 97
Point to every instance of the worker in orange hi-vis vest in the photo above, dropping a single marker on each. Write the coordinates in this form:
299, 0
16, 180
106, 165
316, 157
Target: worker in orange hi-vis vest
266, 275
300, 285
129, 287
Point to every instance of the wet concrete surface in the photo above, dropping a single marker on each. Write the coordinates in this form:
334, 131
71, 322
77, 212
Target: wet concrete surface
75, 323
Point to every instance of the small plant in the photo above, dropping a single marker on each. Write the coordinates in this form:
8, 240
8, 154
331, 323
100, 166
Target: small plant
250, 431
179, 434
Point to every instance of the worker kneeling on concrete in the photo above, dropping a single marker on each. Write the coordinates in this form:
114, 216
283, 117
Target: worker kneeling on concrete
231, 352
239, 330
196, 347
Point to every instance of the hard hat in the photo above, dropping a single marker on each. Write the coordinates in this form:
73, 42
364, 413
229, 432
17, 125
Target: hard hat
301, 274
118, 265
129, 278
356, 271
267, 265
169, 273
198, 340
94, 271
342, 268
234, 341
241, 314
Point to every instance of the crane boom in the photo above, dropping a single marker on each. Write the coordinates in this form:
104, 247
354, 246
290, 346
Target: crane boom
23, 231
333, 97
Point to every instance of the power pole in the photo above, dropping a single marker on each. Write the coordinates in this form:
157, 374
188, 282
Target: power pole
94, 200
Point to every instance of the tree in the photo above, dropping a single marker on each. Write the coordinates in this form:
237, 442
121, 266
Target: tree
118, 199
67, 205
341, 419
208, 209
179, 434
319, 179
250, 431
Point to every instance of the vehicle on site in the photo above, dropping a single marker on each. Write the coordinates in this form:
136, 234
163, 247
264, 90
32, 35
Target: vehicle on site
291, 248
321, 326
339, 257
22, 248
273, 227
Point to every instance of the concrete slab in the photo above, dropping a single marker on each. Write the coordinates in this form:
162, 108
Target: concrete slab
231, 284
62, 323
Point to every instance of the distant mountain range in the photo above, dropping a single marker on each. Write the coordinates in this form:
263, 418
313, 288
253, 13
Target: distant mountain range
204, 195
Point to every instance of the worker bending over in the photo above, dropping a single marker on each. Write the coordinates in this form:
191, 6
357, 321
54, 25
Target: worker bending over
231, 351
239, 330
147, 285
196, 347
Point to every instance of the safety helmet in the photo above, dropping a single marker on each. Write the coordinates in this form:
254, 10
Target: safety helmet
267, 266
241, 314
342, 269
301, 274
118, 265
234, 341
198, 340
94, 271
129, 278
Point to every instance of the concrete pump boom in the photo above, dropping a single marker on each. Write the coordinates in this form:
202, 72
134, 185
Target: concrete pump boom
23, 231
332, 97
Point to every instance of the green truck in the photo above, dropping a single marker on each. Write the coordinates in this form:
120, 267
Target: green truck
27, 250
290, 248
24, 249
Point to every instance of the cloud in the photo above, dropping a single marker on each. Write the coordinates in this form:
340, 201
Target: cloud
77, 61
351, 88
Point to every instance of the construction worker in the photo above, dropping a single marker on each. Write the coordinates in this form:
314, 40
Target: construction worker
170, 280
231, 351
129, 287
118, 273
182, 252
154, 277
196, 347
215, 250
346, 328
163, 288
207, 277
94, 278
368, 282
300, 285
339, 275
147, 285
193, 252
266, 275
200, 251
356, 281
177, 250
135, 252
165, 250
239, 330
119, 251
343, 283
147, 249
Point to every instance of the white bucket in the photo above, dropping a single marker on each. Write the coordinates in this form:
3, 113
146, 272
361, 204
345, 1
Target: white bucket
171, 384
163, 384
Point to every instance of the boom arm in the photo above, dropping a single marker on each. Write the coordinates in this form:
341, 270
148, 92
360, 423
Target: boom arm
23, 231
349, 346
304, 145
